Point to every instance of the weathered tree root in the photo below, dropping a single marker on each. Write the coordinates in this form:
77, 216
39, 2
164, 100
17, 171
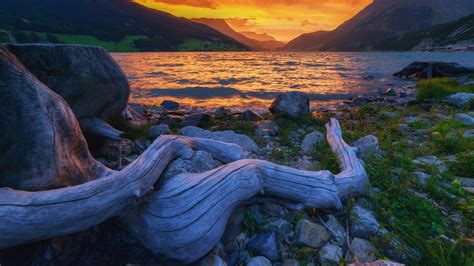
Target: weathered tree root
186, 218
31, 216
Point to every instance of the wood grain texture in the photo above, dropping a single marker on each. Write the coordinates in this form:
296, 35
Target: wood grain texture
186, 218
31, 216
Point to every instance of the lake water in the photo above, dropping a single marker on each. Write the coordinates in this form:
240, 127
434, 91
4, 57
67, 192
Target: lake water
241, 80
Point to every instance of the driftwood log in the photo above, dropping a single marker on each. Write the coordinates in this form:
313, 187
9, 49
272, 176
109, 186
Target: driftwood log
52, 186
427, 70
186, 218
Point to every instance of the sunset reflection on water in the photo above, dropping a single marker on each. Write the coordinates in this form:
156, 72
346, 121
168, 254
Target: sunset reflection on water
243, 80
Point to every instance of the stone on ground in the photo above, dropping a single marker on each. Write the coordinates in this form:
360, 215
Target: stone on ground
330, 255
292, 104
266, 128
310, 141
156, 131
311, 234
170, 105
363, 250
265, 244
259, 261
367, 146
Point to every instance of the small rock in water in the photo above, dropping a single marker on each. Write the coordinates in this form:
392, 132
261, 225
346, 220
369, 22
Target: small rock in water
364, 251
460, 99
310, 141
259, 261
311, 234
330, 255
359, 101
250, 116
265, 244
221, 112
170, 105
465, 119
266, 128
292, 104
367, 146
196, 120
156, 131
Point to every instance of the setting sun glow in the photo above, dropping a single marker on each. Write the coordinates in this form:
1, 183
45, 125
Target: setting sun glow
283, 19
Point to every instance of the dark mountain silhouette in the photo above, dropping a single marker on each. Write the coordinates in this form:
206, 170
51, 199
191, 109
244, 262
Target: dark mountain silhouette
456, 35
263, 37
109, 20
383, 19
222, 26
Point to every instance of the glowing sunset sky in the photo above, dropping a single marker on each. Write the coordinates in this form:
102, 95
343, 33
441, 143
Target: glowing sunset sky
283, 19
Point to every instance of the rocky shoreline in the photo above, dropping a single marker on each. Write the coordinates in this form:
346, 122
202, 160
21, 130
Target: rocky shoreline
419, 156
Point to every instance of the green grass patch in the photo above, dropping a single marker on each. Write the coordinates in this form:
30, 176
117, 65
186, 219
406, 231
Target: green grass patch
438, 88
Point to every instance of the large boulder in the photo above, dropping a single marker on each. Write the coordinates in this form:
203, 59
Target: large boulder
41, 143
86, 77
292, 104
425, 70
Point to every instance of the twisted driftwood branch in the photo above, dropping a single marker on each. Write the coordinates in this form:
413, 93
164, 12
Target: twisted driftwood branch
31, 216
188, 215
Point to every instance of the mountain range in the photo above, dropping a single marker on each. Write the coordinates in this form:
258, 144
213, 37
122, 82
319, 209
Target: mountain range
452, 36
106, 21
257, 42
381, 20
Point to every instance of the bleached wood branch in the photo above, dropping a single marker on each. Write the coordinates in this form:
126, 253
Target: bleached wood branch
188, 215
31, 216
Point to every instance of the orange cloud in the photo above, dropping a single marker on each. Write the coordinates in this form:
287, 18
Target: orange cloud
283, 19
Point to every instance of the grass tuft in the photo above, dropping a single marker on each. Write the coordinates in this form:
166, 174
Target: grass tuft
438, 88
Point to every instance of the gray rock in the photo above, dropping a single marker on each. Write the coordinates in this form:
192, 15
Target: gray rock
292, 104
273, 210
221, 112
431, 161
291, 262
468, 134
337, 231
250, 116
404, 129
460, 99
213, 260
282, 227
364, 224
311, 140
363, 250
266, 128
226, 136
196, 120
409, 100
311, 234
465, 119
240, 257
422, 177
156, 131
265, 244
412, 119
170, 105
359, 101
200, 162
390, 92
367, 146
259, 261
330, 255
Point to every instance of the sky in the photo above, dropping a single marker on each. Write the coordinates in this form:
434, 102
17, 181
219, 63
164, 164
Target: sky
282, 19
